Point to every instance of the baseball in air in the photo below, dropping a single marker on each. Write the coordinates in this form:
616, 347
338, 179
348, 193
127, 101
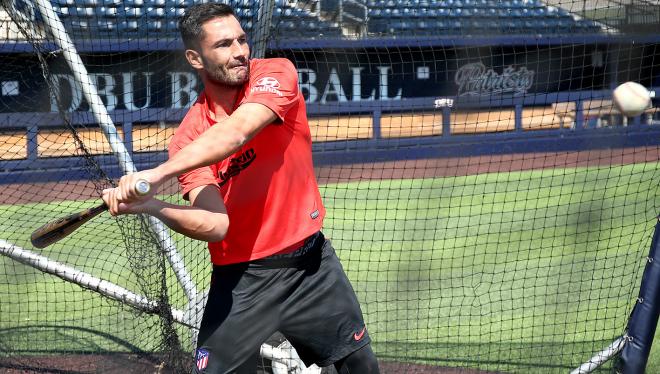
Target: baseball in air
631, 99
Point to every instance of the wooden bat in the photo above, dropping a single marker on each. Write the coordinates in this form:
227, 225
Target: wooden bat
53, 231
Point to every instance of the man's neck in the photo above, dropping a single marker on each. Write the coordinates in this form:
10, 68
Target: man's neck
221, 98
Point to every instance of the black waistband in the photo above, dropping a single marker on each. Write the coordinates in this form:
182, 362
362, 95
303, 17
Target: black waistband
311, 246
310, 249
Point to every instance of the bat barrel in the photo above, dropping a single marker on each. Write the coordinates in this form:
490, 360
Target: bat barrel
60, 228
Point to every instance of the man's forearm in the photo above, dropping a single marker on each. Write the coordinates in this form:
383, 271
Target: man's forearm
191, 221
214, 145
220, 140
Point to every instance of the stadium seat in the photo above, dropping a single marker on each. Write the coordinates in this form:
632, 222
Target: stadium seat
131, 12
155, 25
539, 12
455, 12
313, 25
178, 12
80, 24
531, 25
82, 12
156, 12
510, 26
106, 26
172, 26
517, 3
492, 25
375, 12
442, 12
248, 12
178, 3
287, 26
107, 12
247, 25
61, 11
491, 12
515, 13
385, 16
543, 26
128, 26
466, 12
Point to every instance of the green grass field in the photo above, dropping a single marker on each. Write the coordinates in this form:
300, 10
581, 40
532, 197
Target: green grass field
507, 271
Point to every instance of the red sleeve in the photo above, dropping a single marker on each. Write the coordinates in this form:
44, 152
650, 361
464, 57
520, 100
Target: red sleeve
273, 83
191, 127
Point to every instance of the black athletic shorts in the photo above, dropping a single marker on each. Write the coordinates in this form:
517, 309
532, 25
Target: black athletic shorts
305, 295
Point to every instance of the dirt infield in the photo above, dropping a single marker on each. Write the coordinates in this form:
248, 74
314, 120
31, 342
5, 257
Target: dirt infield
133, 364
461, 166
70, 364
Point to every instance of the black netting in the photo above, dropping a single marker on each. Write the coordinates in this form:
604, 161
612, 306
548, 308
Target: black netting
490, 204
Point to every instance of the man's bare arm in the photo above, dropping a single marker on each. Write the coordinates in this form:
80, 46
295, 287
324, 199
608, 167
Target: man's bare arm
205, 219
215, 144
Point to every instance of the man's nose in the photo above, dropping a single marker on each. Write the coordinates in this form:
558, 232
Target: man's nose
237, 49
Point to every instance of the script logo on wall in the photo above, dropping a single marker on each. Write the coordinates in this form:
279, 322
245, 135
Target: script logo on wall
475, 80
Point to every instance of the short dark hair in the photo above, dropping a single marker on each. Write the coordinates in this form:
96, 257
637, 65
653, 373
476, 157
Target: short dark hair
190, 25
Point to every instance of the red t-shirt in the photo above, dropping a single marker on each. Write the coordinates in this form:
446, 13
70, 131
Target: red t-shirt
268, 186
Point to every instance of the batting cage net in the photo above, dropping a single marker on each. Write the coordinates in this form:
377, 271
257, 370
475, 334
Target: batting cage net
491, 204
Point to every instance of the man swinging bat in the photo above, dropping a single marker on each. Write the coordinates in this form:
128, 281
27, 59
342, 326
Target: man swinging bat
243, 159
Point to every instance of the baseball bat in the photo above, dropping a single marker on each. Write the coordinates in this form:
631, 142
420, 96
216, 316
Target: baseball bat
56, 230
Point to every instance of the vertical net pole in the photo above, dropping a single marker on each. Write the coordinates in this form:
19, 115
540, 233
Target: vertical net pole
644, 317
79, 71
262, 29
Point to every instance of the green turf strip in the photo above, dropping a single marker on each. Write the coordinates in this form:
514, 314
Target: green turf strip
493, 271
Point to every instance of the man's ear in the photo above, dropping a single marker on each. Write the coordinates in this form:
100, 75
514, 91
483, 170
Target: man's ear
194, 59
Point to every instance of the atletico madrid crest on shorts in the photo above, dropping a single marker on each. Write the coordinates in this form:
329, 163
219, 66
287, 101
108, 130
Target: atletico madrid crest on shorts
202, 359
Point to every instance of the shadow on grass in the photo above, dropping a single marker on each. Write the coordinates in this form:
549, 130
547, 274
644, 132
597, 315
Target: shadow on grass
502, 357
72, 349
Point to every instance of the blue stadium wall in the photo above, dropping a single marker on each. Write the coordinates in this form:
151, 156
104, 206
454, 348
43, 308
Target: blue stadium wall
343, 77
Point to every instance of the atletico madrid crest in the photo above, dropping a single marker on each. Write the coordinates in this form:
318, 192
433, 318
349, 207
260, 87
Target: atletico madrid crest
202, 359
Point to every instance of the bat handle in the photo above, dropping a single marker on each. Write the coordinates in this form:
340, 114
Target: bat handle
142, 187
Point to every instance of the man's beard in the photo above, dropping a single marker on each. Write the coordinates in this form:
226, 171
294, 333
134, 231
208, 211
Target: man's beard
222, 75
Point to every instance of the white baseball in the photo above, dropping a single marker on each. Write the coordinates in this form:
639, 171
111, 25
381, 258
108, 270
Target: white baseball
631, 99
